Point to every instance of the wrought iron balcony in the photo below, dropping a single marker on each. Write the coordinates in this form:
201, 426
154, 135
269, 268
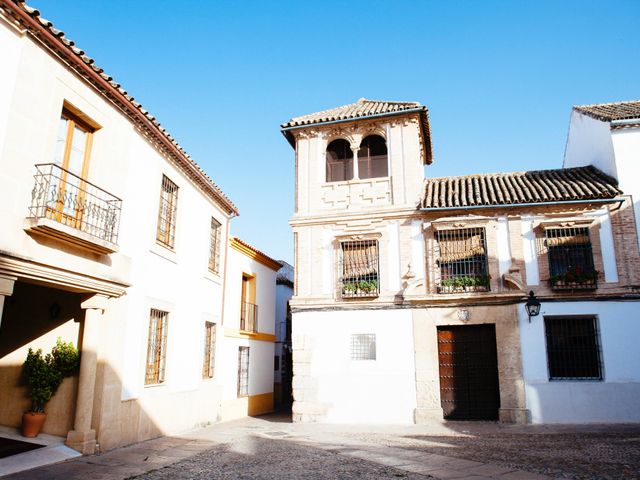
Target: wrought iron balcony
249, 317
70, 208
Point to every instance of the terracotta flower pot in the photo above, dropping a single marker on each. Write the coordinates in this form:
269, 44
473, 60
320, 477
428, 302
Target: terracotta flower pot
32, 423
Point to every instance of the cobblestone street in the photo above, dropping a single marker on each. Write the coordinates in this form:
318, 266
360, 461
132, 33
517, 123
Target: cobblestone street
271, 447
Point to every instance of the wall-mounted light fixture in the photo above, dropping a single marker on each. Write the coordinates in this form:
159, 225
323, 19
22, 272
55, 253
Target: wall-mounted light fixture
464, 315
532, 306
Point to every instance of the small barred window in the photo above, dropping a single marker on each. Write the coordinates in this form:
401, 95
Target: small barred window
166, 231
363, 346
214, 246
570, 259
209, 349
462, 260
573, 348
359, 268
156, 347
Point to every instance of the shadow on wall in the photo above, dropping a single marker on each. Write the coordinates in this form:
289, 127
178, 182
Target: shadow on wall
34, 317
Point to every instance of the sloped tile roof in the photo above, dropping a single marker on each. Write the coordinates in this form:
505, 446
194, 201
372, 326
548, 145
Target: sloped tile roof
579, 183
254, 253
44, 31
361, 109
609, 112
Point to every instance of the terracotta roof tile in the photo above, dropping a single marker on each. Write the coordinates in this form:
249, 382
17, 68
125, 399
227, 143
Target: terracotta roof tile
360, 109
70, 49
579, 183
609, 112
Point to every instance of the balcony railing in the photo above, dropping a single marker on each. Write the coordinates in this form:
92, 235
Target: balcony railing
249, 317
76, 209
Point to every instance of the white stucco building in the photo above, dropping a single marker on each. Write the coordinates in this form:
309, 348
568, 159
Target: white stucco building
112, 238
246, 353
410, 293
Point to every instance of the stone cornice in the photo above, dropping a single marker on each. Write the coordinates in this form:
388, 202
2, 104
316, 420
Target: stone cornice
58, 277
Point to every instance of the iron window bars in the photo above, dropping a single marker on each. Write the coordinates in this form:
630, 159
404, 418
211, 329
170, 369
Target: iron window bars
359, 264
156, 347
462, 260
71, 200
209, 349
167, 213
243, 371
249, 317
214, 246
570, 259
363, 346
573, 348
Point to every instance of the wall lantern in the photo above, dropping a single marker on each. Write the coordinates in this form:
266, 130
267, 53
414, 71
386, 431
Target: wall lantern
532, 306
463, 315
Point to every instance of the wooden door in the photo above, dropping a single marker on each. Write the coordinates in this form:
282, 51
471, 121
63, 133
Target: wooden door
468, 361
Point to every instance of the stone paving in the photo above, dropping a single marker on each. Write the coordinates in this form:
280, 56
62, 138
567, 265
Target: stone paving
271, 447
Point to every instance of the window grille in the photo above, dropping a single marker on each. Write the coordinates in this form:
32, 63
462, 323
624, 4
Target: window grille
573, 348
363, 346
156, 347
359, 269
243, 371
462, 260
372, 157
249, 317
339, 161
570, 259
167, 215
209, 349
214, 246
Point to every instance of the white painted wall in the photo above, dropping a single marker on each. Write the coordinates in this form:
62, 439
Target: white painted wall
626, 145
261, 353
589, 143
361, 391
615, 399
529, 251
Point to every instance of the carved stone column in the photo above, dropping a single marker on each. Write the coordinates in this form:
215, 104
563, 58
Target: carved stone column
356, 173
83, 438
6, 290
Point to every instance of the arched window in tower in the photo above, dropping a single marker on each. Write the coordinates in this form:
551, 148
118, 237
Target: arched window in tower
372, 157
339, 161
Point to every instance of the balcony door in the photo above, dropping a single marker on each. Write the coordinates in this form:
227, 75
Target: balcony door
73, 148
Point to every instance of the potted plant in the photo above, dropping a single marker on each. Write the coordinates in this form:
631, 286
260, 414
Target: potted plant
43, 375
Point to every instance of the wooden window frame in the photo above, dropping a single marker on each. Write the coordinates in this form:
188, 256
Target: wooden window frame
156, 347
208, 364
366, 162
167, 236
58, 212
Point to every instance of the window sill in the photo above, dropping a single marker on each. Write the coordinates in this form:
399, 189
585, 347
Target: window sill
213, 277
164, 252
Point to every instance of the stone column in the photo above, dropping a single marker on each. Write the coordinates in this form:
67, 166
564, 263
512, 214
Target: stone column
6, 290
356, 172
83, 438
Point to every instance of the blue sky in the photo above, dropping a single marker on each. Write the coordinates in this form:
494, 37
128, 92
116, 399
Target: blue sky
499, 78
